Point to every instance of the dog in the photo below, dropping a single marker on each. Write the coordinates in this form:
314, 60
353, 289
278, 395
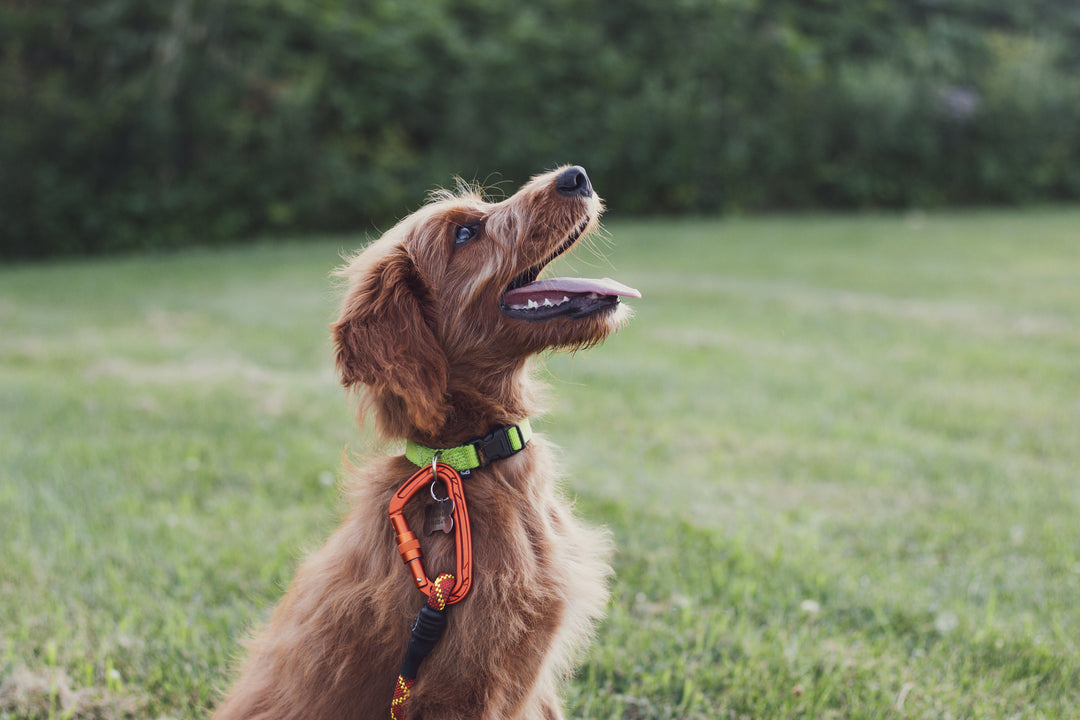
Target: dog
440, 317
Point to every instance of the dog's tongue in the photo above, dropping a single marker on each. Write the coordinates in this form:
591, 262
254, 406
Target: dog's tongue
555, 289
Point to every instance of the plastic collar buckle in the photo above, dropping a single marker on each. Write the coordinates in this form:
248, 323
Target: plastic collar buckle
496, 445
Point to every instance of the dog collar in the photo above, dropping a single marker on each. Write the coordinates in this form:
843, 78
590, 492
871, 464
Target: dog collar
496, 445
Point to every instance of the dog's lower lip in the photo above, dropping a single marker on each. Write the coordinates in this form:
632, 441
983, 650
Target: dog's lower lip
573, 306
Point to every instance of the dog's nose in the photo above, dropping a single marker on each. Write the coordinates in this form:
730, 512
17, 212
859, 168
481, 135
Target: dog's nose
574, 181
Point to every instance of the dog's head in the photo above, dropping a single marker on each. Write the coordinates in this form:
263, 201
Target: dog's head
443, 309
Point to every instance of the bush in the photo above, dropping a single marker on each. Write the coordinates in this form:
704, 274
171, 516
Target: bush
126, 124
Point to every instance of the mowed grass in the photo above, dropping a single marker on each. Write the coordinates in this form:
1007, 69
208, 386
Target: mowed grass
840, 457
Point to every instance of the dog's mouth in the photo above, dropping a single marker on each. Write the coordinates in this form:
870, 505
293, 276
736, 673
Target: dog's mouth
527, 298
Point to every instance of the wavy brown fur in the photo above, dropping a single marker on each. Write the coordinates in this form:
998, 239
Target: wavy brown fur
422, 339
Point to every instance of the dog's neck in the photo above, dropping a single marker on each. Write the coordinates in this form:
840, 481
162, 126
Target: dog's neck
480, 402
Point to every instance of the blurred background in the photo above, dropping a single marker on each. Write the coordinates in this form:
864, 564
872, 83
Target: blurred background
127, 124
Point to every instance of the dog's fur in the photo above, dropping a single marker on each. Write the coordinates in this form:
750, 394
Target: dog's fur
422, 337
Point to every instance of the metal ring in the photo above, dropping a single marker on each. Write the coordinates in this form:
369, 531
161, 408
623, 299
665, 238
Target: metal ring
435, 479
434, 497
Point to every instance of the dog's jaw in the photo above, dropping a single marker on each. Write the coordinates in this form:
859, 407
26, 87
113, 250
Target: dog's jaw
532, 300
576, 298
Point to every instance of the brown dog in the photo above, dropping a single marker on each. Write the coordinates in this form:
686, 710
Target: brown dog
441, 316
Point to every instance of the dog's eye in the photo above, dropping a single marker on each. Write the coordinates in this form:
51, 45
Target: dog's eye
464, 234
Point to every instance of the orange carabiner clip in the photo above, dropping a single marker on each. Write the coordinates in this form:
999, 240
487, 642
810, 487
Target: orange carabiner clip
407, 542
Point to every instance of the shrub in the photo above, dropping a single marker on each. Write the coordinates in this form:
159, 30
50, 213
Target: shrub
126, 124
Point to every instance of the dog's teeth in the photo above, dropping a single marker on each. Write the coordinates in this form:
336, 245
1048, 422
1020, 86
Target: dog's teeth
535, 305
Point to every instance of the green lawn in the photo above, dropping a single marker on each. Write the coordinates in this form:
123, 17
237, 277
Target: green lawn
840, 457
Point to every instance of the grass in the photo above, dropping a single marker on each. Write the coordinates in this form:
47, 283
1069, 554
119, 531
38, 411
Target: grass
840, 457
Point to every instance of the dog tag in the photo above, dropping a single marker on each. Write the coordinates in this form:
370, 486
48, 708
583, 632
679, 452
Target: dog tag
439, 515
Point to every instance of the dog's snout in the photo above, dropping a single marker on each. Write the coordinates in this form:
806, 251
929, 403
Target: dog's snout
574, 181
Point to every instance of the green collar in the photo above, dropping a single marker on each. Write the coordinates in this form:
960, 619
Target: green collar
501, 443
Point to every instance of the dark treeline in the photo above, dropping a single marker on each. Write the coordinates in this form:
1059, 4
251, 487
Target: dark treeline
142, 124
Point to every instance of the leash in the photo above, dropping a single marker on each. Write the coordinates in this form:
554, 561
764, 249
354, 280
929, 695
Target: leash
426, 631
447, 588
444, 590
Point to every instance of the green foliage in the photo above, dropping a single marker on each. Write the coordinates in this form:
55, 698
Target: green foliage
126, 124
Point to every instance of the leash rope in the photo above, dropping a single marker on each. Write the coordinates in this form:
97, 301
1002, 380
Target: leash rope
426, 631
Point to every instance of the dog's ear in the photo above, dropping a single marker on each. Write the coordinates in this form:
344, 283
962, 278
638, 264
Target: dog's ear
383, 340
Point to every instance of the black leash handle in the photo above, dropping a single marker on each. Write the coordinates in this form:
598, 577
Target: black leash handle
426, 631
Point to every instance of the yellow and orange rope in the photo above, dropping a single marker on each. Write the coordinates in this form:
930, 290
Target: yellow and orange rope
439, 594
